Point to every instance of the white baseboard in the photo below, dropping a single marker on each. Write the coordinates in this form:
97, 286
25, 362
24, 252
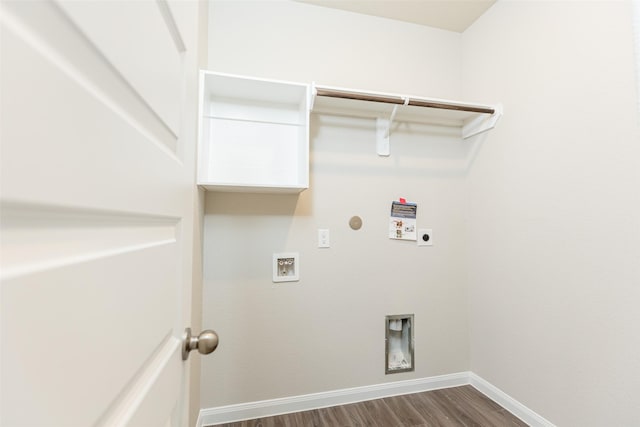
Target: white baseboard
509, 403
265, 408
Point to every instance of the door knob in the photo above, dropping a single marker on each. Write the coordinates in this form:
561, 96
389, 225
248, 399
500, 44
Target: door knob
206, 342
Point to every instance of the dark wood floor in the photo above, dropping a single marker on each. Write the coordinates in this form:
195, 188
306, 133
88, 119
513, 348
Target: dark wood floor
452, 407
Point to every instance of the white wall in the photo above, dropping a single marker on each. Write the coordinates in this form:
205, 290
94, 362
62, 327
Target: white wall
554, 210
550, 199
636, 31
326, 331
286, 40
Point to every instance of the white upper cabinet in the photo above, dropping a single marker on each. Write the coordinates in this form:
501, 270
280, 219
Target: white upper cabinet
254, 134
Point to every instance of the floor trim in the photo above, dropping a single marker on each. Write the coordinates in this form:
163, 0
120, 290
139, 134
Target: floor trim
509, 403
264, 408
246, 411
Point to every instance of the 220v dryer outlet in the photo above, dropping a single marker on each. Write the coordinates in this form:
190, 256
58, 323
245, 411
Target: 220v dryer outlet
425, 237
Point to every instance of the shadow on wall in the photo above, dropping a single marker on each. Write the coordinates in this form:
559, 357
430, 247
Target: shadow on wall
347, 146
247, 228
257, 204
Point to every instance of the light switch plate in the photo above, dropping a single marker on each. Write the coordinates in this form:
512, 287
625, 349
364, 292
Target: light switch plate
425, 237
323, 238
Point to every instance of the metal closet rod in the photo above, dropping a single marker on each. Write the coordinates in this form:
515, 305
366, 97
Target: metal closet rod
398, 100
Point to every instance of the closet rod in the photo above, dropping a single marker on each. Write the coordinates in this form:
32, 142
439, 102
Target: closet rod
360, 96
398, 100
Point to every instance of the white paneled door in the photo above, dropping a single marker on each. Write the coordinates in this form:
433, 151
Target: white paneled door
97, 196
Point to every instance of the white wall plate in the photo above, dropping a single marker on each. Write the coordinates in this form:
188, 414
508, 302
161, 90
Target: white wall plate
286, 267
425, 237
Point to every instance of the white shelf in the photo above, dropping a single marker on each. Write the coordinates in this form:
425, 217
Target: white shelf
253, 134
386, 108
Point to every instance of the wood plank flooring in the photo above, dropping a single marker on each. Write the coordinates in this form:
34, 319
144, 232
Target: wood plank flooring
452, 407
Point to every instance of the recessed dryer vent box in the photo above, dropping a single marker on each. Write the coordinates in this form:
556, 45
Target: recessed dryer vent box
399, 343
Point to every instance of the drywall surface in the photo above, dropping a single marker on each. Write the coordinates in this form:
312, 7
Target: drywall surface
554, 210
286, 40
326, 331
636, 31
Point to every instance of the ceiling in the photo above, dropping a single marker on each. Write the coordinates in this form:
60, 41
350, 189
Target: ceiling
452, 15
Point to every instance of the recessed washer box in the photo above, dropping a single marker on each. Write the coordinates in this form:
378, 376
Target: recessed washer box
286, 267
399, 343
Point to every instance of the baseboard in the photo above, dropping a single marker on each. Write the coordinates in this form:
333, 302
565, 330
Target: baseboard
245, 411
509, 403
264, 408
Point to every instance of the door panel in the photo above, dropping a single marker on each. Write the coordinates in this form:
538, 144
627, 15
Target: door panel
97, 192
77, 323
106, 133
147, 57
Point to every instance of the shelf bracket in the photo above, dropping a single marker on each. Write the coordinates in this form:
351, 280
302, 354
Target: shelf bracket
482, 124
382, 136
383, 131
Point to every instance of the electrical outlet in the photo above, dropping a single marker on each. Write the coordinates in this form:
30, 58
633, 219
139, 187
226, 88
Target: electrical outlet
425, 237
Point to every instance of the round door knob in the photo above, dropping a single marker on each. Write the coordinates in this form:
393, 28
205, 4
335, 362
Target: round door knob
206, 342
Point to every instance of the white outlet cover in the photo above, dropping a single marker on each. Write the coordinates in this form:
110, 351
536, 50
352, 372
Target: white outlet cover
425, 237
323, 238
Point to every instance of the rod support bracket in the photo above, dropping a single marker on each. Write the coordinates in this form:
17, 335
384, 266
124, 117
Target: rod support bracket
483, 123
383, 130
382, 136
